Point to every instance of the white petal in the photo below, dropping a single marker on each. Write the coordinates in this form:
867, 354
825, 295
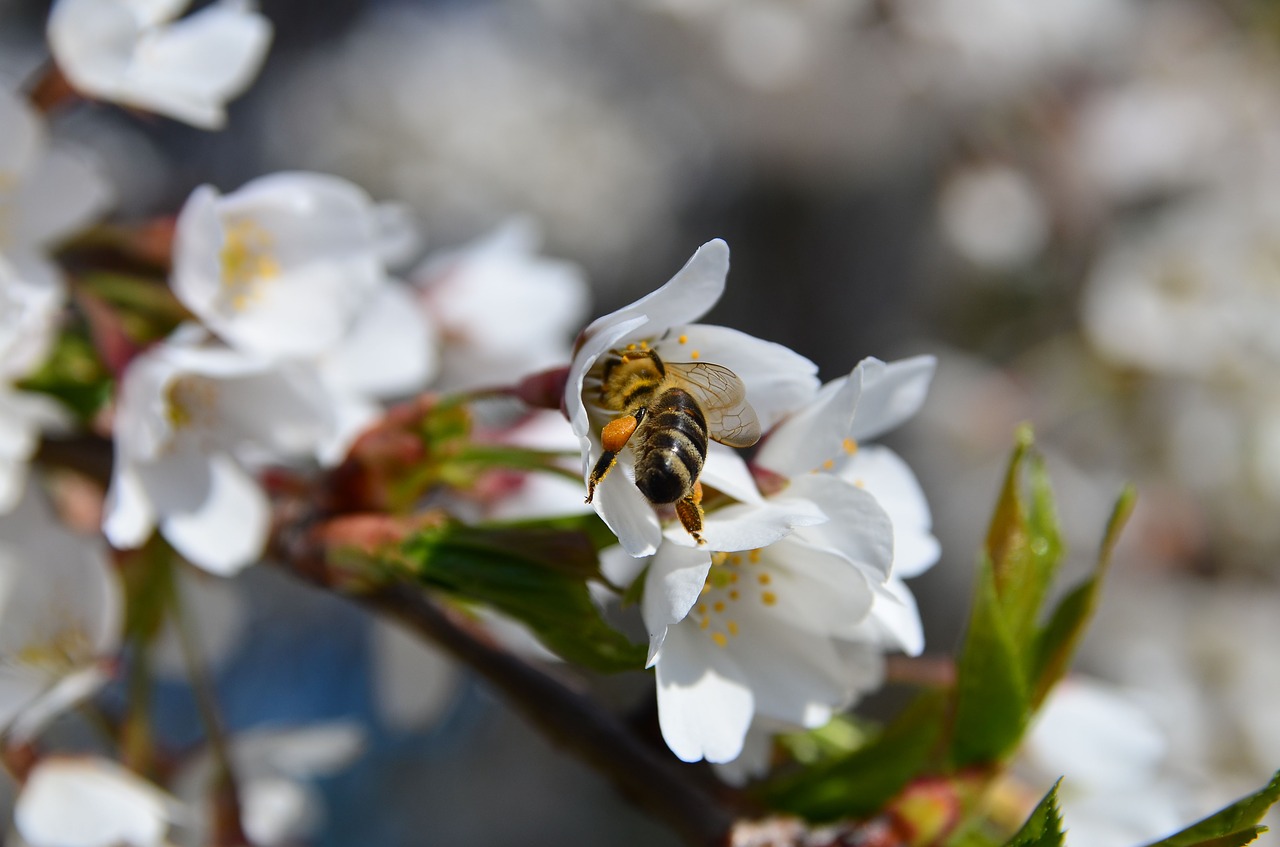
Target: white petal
90, 803
277, 810
1094, 733
61, 193
25, 133
896, 625
778, 380
747, 526
816, 434
68, 691
886, 476
704, 709
228, 530
687, 296
795, 675
626, 511
397, 233
389, 351
128, 516
190, 69
891, 394
675, 579
754, 761
414, 680
726, 471
858, 529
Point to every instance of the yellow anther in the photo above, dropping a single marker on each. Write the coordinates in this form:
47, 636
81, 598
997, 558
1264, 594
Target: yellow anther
732, 626
706, 586
704, 623
850, 446
684, 339
754, 556
860, 483
693, 354
719, 606
764, 579
828, 464
735, 559
246, 261
631, 346
644, 345
719, 558
768, 598
733, 595
702, 608
720, 639
733, 577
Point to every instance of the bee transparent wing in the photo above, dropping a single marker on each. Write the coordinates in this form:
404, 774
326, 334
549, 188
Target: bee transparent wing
723, 398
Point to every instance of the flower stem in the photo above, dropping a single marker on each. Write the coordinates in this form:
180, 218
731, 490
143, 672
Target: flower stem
227, 828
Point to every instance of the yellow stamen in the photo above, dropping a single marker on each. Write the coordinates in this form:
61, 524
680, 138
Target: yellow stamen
684, 339
828, 464
720, 639
850, 446
733, 627
693, 354
768, 598
246, 262
764, 579
754, 556
733, 595
719, 606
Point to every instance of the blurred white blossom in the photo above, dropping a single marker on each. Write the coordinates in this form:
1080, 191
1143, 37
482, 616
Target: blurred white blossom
61, 613
283, 266
186, 413
994, 216
92, 802
135, 52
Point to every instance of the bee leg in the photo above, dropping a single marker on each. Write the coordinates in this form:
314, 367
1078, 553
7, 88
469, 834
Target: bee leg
613, 437
689, 511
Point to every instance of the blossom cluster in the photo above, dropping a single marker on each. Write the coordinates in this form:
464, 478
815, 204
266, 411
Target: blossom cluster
298, 324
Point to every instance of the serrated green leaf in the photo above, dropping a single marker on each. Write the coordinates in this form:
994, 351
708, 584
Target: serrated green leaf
992, 698
1056, 642
860, 783
537, 577
1044, 827
1226, 827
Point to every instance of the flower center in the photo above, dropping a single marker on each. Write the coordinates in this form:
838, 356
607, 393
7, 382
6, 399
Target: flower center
733, 578
246, 262
191, 401
60, 654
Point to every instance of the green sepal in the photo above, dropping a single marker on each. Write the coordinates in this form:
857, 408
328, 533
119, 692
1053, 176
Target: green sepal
860, 783
1231, 826
535, 575
1044, 827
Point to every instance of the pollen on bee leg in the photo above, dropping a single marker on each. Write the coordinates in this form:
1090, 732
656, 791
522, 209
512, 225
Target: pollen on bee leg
696, 494
617, 432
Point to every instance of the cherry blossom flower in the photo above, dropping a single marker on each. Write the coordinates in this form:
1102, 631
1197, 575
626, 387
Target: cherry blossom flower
777, 379
60, 617
501, 310
188, 413
135, 53
91, 802
284, 266
46, 193
783, 632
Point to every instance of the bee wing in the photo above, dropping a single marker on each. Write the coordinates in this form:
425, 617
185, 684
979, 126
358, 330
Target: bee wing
723, 398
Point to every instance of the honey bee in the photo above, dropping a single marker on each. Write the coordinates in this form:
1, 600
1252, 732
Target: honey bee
670, 410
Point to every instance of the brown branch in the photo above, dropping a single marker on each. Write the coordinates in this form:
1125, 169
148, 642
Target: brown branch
653, 781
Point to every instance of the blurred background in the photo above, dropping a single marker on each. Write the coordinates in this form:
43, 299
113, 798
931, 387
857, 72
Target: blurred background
1070, 203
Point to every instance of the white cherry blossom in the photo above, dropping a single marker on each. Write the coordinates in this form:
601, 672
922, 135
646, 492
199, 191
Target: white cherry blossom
777, 380
500, 308
60, 617
137, 53
187, 413
753, 629
284, 266
91, 802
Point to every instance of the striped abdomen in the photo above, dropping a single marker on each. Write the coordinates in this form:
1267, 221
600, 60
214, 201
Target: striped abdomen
670, 446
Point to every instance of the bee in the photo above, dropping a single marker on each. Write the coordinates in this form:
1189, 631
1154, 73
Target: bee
668, 411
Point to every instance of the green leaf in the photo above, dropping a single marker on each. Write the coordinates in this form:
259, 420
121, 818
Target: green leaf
146, 306
1057, 640
1232, 826
861, 782
992, 700
74, 375
536, 575
1044, 827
